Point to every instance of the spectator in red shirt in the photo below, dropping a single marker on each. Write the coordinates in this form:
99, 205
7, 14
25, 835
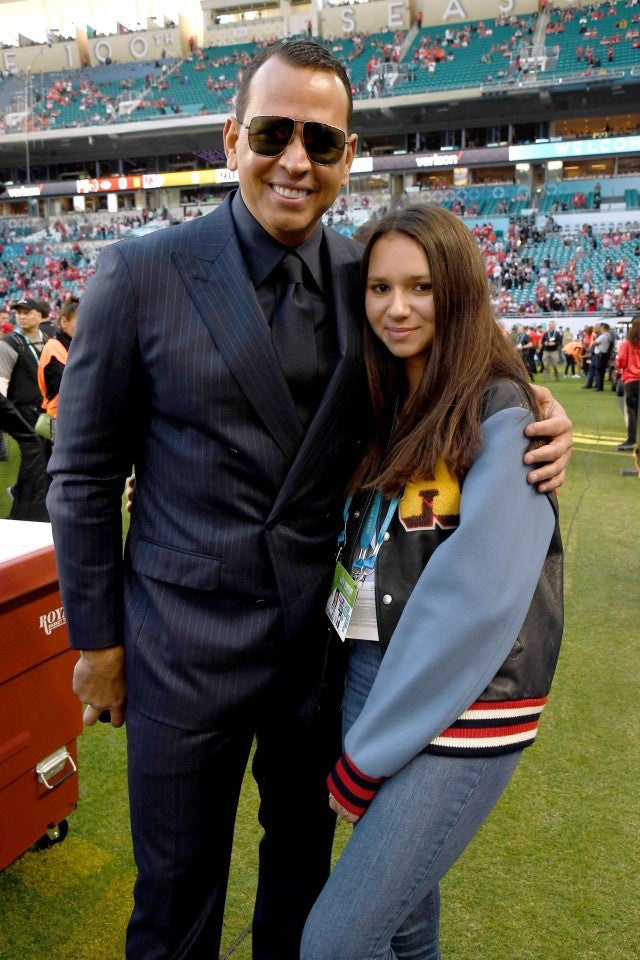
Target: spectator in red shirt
628, 362
535, 336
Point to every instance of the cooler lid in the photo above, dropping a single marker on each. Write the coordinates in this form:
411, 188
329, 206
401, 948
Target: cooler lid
27, 560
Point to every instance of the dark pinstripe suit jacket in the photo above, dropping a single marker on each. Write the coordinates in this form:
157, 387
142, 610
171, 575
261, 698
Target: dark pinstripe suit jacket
219, 596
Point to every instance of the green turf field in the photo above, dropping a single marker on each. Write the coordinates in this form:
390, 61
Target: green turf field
552, 876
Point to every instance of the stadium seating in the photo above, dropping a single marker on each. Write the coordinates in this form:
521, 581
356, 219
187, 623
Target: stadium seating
476, 52
469, 55
597, 27
36, 265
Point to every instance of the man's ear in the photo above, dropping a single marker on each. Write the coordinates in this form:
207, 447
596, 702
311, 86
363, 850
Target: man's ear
352, 143
230, 136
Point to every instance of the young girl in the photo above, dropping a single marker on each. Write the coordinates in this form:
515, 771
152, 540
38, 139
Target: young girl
455, 631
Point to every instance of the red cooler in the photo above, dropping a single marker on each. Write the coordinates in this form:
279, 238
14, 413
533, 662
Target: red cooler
40, 716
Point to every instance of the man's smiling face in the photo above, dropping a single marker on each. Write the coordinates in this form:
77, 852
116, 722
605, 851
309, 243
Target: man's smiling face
289, 194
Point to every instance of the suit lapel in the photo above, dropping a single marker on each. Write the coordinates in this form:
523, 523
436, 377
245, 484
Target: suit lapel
217, 281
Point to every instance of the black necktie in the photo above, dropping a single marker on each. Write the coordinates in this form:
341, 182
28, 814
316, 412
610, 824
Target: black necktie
293, 334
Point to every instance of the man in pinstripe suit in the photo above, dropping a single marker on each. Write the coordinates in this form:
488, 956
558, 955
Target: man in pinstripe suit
215, 612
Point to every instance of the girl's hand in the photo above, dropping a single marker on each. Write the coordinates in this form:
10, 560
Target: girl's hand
341, 811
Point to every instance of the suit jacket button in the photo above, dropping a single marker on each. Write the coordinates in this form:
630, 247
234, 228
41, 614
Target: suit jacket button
387, 536
261, 603
387, 599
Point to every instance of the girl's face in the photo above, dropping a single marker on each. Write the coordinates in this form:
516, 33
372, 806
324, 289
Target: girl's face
399, 300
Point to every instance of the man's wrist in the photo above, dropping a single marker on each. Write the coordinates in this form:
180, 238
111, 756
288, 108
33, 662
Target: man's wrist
104, 654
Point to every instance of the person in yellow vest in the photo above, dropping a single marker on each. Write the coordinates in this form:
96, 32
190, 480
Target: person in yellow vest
53, 359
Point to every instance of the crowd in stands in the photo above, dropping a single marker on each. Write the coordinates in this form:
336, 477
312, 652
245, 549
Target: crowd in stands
78, 227
532, 268
381, 51
55, 260
43, 274
499, 38
562, 274
606, 32
78, 98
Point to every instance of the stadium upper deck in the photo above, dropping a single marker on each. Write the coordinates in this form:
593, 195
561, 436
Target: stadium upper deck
458, 101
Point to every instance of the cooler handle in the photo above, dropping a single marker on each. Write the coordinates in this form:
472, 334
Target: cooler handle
54, 764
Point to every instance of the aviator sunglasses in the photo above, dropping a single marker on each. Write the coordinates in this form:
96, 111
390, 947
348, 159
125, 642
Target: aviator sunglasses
270, 136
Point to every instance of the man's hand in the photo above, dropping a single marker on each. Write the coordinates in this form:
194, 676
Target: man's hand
99, 681
129, 489
554, 456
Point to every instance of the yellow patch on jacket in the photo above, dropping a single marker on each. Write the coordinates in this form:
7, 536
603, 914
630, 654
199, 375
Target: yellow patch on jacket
431, 502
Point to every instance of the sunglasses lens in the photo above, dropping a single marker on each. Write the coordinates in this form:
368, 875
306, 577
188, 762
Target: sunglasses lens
269, 136
323, 143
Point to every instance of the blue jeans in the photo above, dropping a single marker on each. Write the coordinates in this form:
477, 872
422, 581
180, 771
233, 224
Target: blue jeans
382, 900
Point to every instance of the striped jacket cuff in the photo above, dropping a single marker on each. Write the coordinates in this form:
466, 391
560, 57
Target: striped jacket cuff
489, 728
352, 788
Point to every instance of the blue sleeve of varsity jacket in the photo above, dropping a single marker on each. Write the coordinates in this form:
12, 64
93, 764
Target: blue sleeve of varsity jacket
465, 611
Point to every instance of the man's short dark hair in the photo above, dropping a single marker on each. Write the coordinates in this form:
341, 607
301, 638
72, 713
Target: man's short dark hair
299, 53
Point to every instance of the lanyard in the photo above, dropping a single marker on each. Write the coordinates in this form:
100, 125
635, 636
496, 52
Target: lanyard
363, 564
369, 541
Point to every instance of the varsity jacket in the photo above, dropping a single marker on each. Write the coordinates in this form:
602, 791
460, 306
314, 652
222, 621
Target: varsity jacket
469, 612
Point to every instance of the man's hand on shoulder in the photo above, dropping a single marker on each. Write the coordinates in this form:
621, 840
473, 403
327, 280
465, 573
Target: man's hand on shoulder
99, 681
553, 457
130, 489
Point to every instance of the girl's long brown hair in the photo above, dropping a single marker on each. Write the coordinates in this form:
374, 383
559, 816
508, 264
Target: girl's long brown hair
468, 351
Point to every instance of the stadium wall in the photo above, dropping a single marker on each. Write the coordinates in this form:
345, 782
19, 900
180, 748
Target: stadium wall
83, 51
401, 14
333, 22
